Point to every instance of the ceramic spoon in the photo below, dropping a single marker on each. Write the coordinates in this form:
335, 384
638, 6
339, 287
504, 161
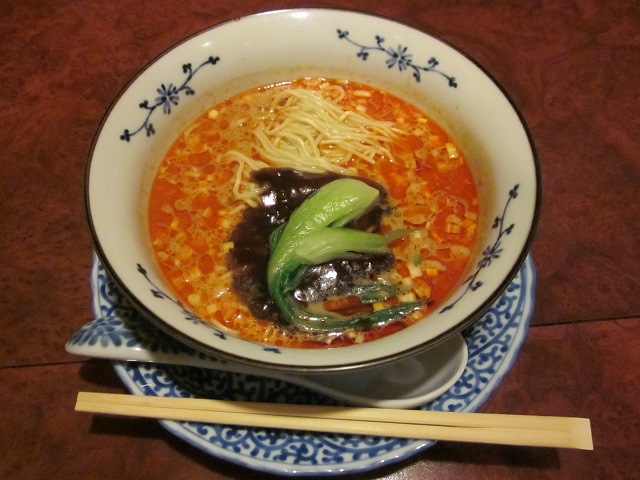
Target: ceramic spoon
406, 383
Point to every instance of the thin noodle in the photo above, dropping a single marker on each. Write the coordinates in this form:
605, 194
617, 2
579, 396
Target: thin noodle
307, 130
242, 189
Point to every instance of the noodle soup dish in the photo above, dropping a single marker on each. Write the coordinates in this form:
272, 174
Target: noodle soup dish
312, 204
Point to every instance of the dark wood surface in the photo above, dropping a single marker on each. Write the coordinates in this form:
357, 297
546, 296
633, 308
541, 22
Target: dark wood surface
573, 68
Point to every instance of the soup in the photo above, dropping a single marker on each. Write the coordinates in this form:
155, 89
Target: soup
223, 198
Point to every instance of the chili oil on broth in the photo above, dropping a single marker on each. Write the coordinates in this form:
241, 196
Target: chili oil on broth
202, 189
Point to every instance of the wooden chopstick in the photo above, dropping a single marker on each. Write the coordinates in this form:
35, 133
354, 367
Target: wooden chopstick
525, 430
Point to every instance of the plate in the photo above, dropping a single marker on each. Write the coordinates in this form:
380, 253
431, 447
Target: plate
493, 341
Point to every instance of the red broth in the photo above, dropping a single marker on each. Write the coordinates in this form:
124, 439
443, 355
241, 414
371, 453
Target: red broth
193, 209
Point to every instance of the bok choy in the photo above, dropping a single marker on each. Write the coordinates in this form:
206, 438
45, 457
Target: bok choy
318, 232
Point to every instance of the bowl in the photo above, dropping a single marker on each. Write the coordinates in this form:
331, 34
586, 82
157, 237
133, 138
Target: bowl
210, 66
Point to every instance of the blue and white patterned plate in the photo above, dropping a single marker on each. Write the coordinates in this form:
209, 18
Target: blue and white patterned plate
493, 341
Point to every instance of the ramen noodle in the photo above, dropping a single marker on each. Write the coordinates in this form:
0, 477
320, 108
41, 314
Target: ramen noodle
236, 173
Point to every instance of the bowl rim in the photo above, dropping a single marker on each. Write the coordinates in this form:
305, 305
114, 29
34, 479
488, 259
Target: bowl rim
274, 366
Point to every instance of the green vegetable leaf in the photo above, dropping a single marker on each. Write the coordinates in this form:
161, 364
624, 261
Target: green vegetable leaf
316, 233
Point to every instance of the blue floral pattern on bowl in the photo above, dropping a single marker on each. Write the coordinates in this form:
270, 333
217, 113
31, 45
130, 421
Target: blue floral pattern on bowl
168, 96
490, 253
493, 341
397, 57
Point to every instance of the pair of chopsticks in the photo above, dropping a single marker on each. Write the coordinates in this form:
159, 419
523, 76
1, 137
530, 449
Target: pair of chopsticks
524, 430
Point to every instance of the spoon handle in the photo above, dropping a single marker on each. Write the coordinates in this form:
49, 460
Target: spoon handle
405, 383
135, 339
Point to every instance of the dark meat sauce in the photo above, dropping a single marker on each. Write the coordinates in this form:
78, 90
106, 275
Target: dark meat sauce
284, 191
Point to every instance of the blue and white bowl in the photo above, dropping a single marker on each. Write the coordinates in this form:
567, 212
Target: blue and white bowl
213, 65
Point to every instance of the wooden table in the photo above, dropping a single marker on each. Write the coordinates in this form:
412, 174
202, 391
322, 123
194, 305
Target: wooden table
573, 67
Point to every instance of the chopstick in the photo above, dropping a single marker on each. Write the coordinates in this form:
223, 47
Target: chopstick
501, 429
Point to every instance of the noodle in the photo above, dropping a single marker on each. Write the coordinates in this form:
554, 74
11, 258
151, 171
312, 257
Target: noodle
242, 188
308, 131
